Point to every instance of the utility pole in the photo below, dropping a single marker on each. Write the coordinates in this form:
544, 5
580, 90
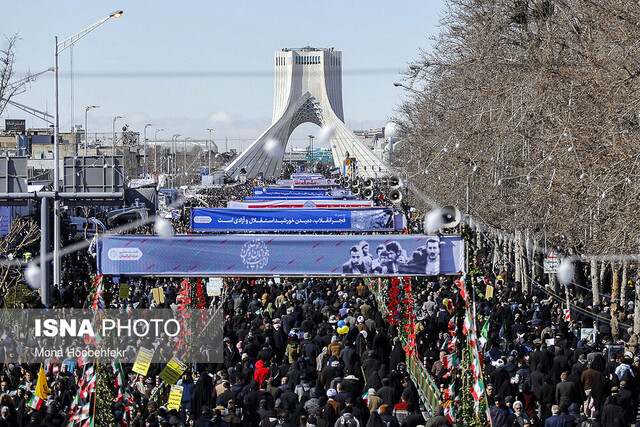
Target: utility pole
209, 149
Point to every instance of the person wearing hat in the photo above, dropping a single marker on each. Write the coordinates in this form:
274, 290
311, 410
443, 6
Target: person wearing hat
373, 401
499, 412
335, 347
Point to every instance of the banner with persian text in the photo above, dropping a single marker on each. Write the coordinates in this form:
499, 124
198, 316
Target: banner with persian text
310, 192
280, 254
300, 204
242, 220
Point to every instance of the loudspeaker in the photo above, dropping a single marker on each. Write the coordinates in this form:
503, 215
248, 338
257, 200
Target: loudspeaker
355, 190
395, 182
395, 196
450, 216
367, 193
368, 183
345, 182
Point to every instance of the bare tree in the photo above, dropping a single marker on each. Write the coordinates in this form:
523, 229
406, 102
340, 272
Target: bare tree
7, 59
534, 105
23, 236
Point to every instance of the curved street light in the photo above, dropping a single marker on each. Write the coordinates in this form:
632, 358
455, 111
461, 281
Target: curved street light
57, 261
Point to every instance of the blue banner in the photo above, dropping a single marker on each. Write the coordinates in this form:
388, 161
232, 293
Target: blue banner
241, 220
266, 191
277, 254
253, 199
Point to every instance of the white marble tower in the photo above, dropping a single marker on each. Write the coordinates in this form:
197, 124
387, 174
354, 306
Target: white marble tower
308, 88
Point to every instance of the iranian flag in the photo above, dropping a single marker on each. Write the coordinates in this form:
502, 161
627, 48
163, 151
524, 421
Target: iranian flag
477, 390
75, 417
85, 411
448, 392
467, 325
34, 402
449, 413
485, 329
475, 366
449, 361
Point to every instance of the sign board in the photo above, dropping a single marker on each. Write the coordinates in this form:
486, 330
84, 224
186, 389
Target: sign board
158, 295
173, 371
616, 351
588, 335
207, 180
242, 220
13, 175
489, 292
175, 397
124, 292
214, 287
301, 204
143, 361
5, 220
15, 125
86, 174
280, 255
551, 263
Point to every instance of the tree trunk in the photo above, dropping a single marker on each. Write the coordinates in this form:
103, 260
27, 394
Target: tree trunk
603, 270
480, 238
518, 255
496, 249
529, 261
595, 282
623, 283
537, 262
615, 285
553, 283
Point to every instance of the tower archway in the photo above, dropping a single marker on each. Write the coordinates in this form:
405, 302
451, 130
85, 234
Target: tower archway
308, 89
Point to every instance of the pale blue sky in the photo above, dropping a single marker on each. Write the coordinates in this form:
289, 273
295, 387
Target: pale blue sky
209, 64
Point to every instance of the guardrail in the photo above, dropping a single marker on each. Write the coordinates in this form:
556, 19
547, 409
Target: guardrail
427, 388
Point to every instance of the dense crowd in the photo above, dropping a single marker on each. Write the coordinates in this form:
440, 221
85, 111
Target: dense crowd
539, 366
319, 352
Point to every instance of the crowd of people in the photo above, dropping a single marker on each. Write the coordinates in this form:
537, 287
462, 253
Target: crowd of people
540, 366
319, 352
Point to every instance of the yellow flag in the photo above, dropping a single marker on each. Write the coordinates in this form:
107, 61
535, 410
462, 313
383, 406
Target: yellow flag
42, 388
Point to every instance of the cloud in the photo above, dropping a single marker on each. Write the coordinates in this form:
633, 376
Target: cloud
220, 118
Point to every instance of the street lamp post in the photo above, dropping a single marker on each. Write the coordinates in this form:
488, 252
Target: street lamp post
59, 48
113, 135
86, 134
185, 158
144, 171
209, 149
155, 151
311, 145
173, 161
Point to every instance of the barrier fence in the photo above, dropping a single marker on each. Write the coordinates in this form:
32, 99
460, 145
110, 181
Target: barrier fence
427, 388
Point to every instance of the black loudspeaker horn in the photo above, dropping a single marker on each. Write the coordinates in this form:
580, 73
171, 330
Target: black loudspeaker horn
368, 183
450, 216
367, 193
395, 182
395, 196
345, 182
355, 190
